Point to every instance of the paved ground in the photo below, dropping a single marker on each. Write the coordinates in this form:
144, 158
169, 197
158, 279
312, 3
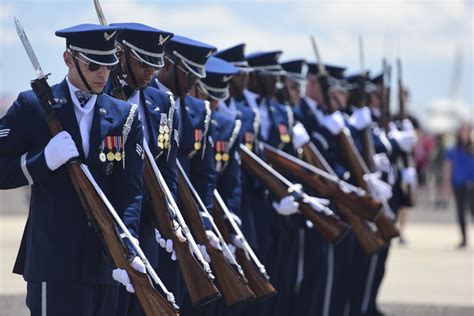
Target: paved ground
426, 277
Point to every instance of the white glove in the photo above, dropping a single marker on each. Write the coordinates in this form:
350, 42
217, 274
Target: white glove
378, 189
409, 176
165, 244
407, 125
404, 139
382, 163
238, 242
204, 253
287, 206
59, 150
319, 204
121, 276
334, 122
213, 240
361, 118
300, 135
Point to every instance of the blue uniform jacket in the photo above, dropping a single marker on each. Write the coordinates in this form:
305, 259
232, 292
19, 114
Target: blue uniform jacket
226, 134
159, 108
58, 244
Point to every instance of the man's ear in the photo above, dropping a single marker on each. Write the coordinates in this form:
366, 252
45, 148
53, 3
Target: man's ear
68, 59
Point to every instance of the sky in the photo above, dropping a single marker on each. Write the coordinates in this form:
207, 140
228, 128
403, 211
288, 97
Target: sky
425, 34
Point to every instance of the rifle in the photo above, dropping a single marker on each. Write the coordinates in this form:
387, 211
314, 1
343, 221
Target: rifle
99, 210
406, 158
254, 270
386, 220
232, 283
328, 224
348, 199
385, 95
197, 275
368, 150
117, 89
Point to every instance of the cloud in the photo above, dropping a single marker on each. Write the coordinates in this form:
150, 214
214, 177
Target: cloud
7, 34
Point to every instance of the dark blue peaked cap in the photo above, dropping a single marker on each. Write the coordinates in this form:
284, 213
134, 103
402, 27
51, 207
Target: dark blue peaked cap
94, 42
218, 74
266, 63
333, 71
192, 53
294, 69
236, 56
377, 80
146, 42
353, 82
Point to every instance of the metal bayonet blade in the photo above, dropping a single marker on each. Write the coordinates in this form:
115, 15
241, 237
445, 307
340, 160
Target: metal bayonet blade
28, 48
321, 66
100, 13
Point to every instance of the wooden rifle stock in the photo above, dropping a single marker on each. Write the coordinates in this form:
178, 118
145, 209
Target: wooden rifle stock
385, 219
233, 287
152, 301
330, 226
327, 185
200, 286
257, 282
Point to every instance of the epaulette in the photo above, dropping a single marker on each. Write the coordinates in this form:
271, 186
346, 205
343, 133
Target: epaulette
127, 128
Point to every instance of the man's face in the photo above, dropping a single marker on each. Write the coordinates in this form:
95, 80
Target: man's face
186, 79
240, 81
141, 71
293, 91
96, 79
313, 89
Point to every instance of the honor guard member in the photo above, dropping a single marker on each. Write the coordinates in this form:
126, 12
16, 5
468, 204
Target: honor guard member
184, 65
61, 256
140, 49
277, 234
225, 132
236, 102
391, 144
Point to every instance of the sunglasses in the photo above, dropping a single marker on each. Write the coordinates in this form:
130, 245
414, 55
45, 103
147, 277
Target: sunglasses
142, 64
188, 75
92, 66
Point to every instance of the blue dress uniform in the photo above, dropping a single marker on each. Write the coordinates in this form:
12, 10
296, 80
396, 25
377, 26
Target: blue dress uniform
250, 119
278, 236
225, 131
61, 256
195, 147
159, 123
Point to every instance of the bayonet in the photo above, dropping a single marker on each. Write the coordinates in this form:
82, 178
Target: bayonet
100, 13
29, 49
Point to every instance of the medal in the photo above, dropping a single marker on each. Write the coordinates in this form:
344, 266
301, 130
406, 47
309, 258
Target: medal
197, 145
166, 137
249, 146
110, 156
225, 157
167, 129
118, 156
167, 145
102, 156
161, 129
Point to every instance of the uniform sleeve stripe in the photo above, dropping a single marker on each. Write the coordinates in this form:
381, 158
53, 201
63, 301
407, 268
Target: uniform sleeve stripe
25, 169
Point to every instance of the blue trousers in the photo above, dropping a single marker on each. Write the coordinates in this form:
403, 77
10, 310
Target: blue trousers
72, 299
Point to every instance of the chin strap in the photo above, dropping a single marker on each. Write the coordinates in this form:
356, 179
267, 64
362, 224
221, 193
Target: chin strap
81, 75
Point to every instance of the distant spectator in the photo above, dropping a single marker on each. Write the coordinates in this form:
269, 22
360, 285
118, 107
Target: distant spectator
459, 166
